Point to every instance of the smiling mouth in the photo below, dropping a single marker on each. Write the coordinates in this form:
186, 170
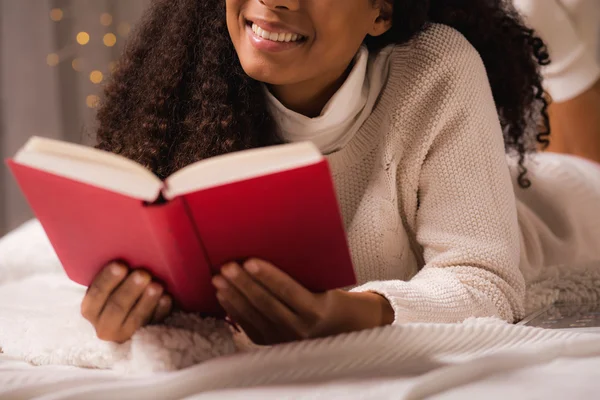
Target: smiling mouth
282, 37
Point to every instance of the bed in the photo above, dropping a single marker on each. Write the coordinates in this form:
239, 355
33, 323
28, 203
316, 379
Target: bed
50, 352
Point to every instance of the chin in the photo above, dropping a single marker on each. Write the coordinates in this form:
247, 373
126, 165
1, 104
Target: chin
267, 73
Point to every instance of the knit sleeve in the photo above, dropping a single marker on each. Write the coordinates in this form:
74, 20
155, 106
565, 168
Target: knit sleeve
466, 221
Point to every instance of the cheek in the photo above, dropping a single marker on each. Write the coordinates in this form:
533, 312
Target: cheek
337, 43
231, 20
233, 11
342, 31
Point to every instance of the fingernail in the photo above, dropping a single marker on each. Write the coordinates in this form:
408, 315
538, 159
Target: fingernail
252, 267
230, 270
219, 282
232, 323
164, 301
140, 278
153, 290
117, 269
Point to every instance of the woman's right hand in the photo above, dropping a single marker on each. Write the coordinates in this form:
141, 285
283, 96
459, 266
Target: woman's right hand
120, 301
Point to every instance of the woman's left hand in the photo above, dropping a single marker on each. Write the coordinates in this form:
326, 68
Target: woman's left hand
273, 308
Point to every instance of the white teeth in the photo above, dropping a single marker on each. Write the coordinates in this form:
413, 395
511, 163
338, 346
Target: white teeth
275, 37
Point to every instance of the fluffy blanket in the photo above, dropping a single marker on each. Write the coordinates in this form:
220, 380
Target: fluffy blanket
40, 320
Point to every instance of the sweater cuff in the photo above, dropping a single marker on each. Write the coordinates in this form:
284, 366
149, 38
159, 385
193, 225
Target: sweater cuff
574, 79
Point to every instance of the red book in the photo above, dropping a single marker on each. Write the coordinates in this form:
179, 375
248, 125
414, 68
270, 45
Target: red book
276, 203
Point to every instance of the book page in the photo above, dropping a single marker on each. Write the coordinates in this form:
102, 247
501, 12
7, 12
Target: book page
241, 166
91, 166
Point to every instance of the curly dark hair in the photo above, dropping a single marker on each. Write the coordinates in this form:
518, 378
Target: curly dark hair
179, 93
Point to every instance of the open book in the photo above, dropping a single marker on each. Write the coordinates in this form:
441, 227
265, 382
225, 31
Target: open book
276, 203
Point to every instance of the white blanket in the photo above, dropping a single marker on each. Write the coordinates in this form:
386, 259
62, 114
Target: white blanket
40, 323
473, 360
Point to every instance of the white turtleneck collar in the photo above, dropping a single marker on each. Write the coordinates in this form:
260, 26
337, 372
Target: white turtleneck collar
345, 112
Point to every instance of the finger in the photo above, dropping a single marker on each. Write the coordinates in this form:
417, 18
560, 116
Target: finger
100, 289
142, 311
253, 320
286, 289
262, 299
243, 321
121, 302
242, 310
163, 309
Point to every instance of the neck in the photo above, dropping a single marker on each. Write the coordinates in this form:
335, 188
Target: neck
309, 98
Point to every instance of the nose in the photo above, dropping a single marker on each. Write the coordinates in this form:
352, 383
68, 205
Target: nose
291, 5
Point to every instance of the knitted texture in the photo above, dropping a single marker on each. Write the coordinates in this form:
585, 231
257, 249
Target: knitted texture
427, 195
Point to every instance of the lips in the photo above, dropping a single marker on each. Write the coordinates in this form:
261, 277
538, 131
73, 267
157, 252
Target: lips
276, 36
273, 37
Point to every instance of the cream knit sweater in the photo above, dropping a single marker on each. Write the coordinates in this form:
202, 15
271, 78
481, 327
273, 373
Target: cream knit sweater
427, 195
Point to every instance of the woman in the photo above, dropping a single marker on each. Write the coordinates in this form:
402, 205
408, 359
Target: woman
414, 103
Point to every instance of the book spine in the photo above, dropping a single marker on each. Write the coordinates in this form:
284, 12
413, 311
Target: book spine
187, 273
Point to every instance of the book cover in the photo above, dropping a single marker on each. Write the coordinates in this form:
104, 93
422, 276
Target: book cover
289, 217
